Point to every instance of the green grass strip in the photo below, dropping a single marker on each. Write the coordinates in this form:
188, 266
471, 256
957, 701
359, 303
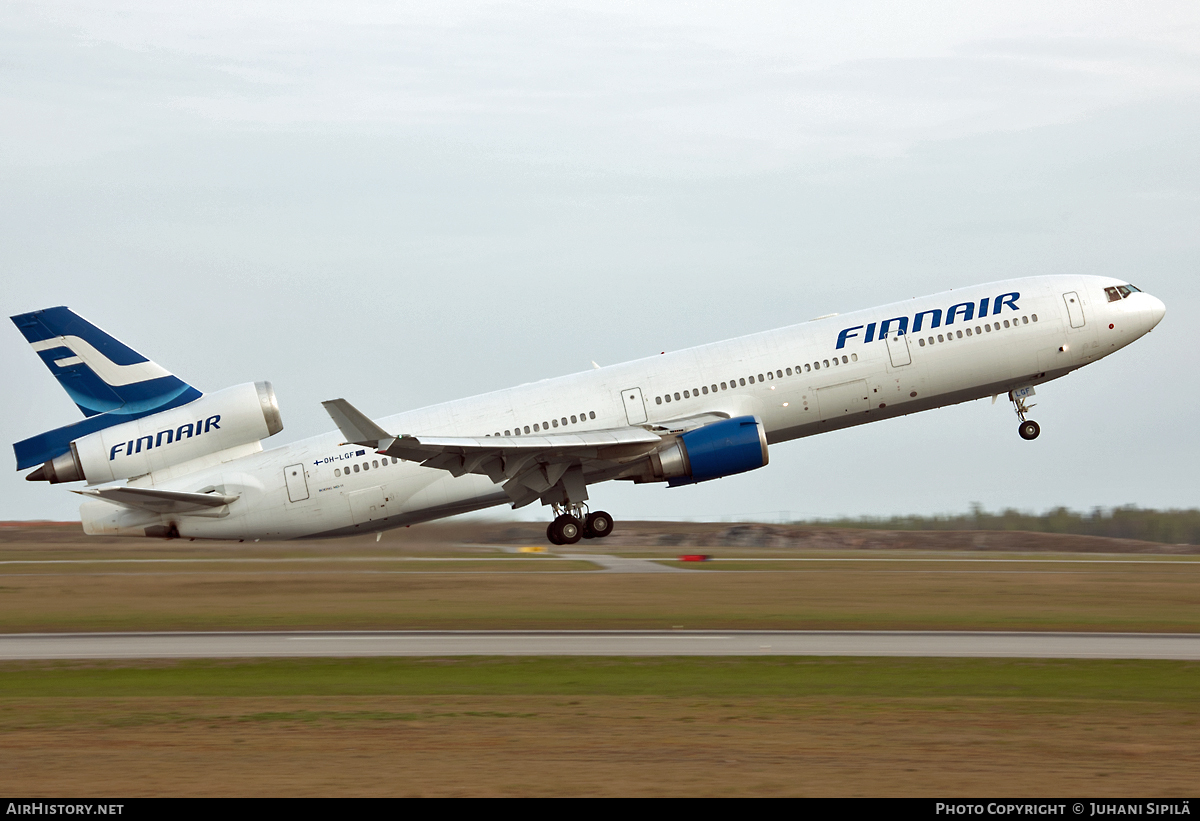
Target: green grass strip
1120, 680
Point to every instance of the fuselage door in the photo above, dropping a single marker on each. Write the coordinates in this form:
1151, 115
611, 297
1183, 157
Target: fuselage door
297, 485
635, 408
897, 345
1074, 309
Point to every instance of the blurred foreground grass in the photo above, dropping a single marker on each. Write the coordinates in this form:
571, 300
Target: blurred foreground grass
604, 727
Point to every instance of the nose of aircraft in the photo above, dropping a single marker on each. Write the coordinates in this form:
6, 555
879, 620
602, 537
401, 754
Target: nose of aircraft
1154, 311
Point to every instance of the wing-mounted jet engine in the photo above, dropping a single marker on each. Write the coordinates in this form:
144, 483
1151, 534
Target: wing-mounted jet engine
712, 451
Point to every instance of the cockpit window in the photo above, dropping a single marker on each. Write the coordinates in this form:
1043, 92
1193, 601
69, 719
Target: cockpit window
1115, 293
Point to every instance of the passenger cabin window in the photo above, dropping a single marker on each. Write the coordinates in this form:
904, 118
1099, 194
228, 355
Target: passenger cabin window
591, 414
337, 471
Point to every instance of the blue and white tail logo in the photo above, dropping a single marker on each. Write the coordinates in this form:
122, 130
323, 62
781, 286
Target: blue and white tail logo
109, 381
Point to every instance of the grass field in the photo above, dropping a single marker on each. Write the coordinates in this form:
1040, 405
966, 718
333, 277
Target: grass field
867, 595
570, 726
762, 726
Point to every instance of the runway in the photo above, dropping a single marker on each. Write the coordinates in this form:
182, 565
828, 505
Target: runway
334, 644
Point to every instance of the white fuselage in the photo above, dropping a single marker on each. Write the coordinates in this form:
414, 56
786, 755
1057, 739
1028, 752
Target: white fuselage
795, 379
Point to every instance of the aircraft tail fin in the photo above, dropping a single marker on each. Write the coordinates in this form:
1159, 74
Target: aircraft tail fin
109, 381
101, 374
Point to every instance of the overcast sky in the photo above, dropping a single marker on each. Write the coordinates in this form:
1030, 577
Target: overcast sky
403, 204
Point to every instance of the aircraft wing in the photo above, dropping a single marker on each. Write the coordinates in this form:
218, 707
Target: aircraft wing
158, 501
686, 423
526, 466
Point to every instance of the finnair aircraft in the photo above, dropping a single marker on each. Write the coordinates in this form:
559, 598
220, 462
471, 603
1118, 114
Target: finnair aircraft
162, 459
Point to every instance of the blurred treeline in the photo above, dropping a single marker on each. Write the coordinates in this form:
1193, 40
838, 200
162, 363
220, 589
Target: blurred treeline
1165, 526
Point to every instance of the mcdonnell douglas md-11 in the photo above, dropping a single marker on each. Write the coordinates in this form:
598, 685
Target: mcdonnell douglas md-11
161, 459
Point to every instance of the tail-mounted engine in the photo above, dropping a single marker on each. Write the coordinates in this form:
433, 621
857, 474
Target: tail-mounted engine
214, 422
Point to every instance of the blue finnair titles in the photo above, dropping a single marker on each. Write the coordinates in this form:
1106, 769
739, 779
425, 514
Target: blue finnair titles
171, 434
109, 381
966, 311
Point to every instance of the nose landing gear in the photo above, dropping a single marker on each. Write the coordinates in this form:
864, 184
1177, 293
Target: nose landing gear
1028, 429
571, 524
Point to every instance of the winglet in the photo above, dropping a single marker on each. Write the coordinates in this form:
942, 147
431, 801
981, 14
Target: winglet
355, 425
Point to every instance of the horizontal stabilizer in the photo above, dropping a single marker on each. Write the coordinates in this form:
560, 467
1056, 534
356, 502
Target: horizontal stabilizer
355, 425
158, 501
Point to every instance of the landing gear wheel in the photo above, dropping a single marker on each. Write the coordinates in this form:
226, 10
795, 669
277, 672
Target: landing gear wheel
1029, 430
597, 525
566, 529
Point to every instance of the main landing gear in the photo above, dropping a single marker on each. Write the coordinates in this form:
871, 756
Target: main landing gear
1028, 429
572, 524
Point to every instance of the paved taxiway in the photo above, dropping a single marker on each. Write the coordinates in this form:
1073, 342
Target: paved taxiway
599, 643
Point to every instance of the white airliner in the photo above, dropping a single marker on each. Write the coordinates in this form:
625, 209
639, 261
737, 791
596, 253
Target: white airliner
162, 459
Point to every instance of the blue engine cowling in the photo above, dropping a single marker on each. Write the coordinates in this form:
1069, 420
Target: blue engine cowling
720, 449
